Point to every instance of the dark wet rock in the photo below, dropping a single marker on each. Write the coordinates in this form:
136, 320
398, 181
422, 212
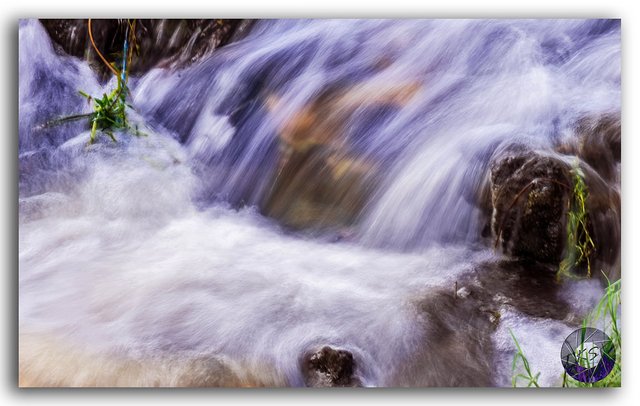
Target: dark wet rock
162, 42
529, 195
603, 205
598, 142
528, 287
329, 367
457, 348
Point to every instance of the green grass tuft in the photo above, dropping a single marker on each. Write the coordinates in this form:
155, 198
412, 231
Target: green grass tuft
110, 111
528, 377
579, 245
605, 312
605, 315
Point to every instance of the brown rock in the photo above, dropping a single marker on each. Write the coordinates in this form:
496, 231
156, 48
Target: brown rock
329, 367
603, 205
598, 143
320, 181
166, 42
529, 196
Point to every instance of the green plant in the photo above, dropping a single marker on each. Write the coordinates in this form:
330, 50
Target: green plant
528, 377
579, 245
110, 111
606, 311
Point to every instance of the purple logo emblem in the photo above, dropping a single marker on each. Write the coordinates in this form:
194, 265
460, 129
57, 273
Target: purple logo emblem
588, 355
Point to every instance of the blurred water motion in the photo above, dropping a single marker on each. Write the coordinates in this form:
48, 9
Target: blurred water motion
377, 133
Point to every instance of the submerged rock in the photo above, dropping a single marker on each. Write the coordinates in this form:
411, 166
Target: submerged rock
322, 180
598, 143
457, 350
458, 344
329, 367
316, 188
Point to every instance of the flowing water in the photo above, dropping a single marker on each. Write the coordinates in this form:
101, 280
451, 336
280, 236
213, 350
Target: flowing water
172, 245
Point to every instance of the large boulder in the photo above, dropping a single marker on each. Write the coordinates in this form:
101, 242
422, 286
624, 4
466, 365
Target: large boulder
530, 194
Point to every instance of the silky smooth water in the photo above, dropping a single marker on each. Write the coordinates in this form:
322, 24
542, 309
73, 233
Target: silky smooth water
156, 245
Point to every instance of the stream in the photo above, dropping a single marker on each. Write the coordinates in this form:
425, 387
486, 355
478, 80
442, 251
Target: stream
200, 241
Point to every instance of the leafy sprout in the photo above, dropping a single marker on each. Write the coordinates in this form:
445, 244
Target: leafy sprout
110, 111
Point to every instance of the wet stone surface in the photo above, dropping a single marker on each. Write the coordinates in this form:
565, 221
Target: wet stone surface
329, 367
